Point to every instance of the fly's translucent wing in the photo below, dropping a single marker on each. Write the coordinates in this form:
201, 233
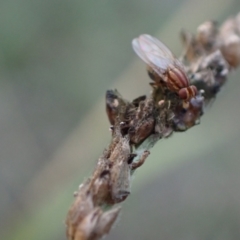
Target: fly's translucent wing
159, 46
154, 53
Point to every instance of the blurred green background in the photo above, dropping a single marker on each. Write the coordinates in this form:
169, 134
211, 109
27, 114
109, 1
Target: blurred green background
57, 59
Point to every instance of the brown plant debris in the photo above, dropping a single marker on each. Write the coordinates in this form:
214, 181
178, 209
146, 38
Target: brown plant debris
180, 91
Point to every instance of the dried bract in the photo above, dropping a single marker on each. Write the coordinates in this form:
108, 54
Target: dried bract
120, 170
142, 122
95, 224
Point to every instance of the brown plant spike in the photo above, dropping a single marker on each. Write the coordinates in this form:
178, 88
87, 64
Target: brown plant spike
180, 91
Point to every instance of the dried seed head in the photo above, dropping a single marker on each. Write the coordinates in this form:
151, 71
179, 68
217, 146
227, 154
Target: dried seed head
228, 27
231, 50
206, 34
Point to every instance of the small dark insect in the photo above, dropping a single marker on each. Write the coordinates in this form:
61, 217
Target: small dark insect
163, 67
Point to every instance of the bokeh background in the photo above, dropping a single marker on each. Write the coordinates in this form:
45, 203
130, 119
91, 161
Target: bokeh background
57, 59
